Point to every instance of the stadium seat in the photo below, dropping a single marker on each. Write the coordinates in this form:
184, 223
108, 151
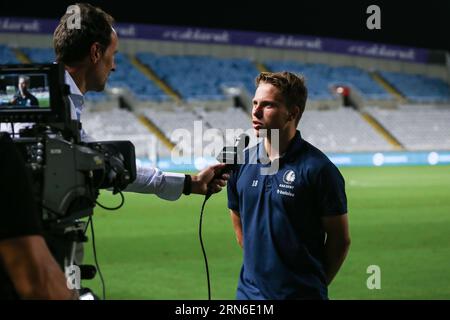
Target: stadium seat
198, 78
417, 127
7, 56
419, 88
320, 79
341, 130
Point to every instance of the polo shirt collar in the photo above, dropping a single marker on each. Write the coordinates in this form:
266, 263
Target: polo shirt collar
294, 148
291, 153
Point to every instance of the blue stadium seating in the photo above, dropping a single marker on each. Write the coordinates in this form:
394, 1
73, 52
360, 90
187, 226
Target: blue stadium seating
7, 56
125, 76
320, 78
419, 88
39, 55
201, 77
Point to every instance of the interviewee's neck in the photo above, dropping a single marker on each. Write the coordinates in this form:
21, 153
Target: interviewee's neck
277, 146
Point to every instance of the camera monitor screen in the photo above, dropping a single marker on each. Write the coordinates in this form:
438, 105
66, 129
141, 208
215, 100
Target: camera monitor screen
33, 93
30, 91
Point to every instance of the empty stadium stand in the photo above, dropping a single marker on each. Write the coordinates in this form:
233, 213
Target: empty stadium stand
321, 78
188, 127
175, 118
200, 82
419, 88
125, 76
39, 55
417, 127
118, 124
201, 77
340, 130
7, 56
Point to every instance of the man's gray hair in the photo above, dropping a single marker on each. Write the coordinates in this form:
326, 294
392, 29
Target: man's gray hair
25, 78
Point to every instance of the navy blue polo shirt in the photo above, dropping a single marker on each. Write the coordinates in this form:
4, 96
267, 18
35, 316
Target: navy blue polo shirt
27, 101
281, 215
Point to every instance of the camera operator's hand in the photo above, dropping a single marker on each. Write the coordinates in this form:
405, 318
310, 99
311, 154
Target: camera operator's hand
205, 179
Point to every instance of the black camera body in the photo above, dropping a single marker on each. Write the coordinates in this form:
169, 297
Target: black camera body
67, 176
66, 172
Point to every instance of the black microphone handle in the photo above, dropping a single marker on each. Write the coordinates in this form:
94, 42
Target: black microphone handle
227, 169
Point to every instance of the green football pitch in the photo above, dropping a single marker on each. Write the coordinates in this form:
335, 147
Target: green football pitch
44, 102
399, 220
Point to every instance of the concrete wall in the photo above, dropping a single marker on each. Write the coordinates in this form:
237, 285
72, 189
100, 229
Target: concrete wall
21, 40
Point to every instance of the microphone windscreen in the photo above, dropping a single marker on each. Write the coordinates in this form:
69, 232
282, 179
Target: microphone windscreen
242, 141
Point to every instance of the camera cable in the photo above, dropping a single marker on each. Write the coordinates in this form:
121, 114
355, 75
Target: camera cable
91, 222
114, 208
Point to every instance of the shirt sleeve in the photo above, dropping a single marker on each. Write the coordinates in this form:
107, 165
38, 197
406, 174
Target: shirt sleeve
330, 191
166, 185
233, 197
19, 214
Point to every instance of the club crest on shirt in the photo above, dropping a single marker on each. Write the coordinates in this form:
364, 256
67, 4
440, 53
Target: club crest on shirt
289, 177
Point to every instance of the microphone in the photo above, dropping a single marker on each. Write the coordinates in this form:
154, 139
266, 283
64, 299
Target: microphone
231, 156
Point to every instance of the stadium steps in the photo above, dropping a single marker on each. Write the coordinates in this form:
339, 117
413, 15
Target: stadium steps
153, 128
22, 57
149, 73
261, 67
388, 87
382, 131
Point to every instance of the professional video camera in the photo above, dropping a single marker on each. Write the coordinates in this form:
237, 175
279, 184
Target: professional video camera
67, 173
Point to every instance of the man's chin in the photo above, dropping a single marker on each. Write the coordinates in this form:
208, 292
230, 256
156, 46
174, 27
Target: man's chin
261, 132
100, 88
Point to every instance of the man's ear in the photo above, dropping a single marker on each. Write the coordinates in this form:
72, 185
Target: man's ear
293, 113
96, 52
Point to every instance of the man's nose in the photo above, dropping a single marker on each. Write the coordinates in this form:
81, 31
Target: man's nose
257, 112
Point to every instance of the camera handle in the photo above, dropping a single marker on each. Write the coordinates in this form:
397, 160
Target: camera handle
77, 237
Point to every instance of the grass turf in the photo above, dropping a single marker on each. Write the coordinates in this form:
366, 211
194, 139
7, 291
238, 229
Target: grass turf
399, 220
